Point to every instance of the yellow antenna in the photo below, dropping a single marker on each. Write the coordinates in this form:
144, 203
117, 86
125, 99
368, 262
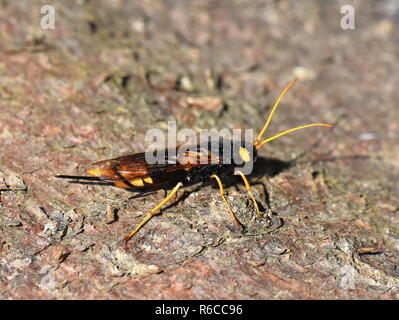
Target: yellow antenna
291, 130
258, 143
272, 112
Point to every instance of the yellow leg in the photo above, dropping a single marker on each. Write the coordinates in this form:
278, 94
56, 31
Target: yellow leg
247, 186
225, 200
153, 211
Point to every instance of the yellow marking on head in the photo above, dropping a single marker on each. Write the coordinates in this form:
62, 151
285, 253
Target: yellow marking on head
244, 154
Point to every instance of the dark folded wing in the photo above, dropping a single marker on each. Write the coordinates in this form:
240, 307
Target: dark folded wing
135, 166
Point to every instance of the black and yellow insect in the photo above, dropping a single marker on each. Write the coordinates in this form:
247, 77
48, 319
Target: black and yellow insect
133, 171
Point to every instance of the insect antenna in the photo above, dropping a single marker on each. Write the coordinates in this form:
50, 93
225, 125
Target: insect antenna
258, 143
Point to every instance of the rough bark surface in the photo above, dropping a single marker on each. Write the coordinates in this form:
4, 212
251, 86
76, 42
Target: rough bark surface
110, 70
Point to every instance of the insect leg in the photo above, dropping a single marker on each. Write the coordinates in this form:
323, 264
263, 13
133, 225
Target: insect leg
214, 176
153, 211
247, 186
